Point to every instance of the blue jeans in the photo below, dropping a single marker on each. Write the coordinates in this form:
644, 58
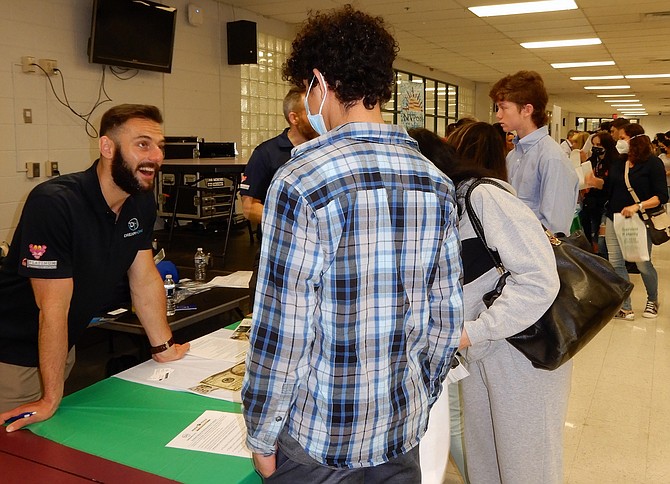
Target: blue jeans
647, 270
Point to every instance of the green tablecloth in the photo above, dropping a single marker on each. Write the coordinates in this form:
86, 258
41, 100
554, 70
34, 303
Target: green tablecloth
131, 423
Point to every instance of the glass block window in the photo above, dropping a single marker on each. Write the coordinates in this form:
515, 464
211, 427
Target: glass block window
262, 93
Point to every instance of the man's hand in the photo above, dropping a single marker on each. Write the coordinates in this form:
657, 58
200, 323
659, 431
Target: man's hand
266, 465
174, 352
43, 411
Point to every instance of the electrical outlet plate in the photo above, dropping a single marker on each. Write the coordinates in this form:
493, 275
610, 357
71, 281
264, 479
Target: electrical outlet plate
27, 64
51, 168
32, 169
49, 66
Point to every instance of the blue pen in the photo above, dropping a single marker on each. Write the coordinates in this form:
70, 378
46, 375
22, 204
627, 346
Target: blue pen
19, 417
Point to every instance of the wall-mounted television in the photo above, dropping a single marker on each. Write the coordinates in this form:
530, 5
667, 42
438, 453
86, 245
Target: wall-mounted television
132, 33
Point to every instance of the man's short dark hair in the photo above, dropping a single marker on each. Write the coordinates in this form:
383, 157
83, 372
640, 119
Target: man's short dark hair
619, 123
118, 115
524, 87
293, 101
352, 50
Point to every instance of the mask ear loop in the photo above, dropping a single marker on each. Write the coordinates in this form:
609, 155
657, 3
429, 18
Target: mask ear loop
325, 93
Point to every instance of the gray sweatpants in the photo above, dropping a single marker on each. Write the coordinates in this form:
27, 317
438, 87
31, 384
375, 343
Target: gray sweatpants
514, 416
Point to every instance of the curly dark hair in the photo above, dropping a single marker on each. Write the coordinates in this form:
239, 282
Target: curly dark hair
352, 50
524, 87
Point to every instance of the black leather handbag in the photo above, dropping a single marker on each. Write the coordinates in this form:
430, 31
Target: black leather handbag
590, 295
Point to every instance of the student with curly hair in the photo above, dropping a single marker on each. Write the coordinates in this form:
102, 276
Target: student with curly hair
358, 307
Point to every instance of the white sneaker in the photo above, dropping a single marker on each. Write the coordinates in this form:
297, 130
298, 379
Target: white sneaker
650, 310
626, 314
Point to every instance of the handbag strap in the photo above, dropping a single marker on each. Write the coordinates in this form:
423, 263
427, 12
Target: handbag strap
477, 224
636, 199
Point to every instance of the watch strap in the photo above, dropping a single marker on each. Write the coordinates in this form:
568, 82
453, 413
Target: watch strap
163, 347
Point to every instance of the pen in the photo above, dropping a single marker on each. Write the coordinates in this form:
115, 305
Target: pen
186, 307
19, 416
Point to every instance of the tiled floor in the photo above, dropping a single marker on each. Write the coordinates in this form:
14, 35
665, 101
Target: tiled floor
618, 425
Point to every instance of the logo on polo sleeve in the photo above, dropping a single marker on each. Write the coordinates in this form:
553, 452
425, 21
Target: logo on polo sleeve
37, 251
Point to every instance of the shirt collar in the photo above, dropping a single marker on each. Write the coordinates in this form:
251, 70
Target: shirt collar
527, 142
363, 132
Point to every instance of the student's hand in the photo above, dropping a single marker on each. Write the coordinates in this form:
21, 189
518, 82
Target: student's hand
630, 210
174, 352
266, 465
43, 410
465, 340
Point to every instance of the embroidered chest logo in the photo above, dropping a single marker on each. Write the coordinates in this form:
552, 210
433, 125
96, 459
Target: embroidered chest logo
37, 251
133, 224
134, 227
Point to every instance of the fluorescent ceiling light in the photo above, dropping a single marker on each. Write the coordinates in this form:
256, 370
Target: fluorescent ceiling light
567, 65
626, 107
606, 87
524, 7
647, 76
621, 100
616, 95
548, 44
595, 78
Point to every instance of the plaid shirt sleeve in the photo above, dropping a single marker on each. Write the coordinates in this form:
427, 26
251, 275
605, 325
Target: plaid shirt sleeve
446, 310
290, 264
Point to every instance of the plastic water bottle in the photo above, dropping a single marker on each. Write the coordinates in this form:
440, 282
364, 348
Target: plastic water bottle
200, 260
170, 294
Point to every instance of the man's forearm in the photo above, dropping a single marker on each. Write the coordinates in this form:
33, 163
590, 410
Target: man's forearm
53, 349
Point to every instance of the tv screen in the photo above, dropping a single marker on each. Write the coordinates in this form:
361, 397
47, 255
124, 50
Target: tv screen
132, 33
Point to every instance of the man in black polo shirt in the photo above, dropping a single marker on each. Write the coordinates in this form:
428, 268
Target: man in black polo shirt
266, 160
77, 238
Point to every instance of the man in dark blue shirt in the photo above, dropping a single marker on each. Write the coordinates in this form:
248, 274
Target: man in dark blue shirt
78, 236
266, 160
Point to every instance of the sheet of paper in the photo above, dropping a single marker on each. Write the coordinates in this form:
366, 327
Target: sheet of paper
236, 279
186, 374
215, 432
582, 170
219, 346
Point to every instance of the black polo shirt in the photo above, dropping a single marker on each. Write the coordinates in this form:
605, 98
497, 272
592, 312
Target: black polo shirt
266, 159
67, 230
646, 178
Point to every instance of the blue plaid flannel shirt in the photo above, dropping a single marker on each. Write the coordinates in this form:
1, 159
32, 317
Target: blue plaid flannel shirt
358, 306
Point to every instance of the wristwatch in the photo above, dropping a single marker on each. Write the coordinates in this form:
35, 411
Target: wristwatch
163, 347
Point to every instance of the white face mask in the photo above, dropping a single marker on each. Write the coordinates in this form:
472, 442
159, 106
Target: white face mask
316, 120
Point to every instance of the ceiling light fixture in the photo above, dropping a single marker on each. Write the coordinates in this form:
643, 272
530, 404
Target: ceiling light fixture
647, 76
524, 7
590, 88
567, 65
595, 78
621, 100
616, 95
548, 44
626, 107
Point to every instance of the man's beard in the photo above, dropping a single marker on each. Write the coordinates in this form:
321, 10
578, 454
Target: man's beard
124, 177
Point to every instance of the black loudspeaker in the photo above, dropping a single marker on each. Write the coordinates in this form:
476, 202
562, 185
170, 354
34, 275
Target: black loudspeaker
242, 46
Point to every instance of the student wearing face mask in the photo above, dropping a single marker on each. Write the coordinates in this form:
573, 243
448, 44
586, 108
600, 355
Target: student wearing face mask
358, 306
603, 154
647, 178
